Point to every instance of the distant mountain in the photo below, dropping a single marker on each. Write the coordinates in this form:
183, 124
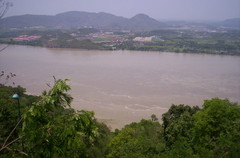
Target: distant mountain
80, 19
77, 19
143, 22
234, 23
25, 21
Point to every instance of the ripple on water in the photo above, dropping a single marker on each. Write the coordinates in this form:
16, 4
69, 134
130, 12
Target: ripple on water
140, 107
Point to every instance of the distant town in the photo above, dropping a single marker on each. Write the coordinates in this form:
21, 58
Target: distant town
214, 41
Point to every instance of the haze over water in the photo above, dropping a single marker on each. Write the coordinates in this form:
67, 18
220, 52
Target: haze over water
126, 86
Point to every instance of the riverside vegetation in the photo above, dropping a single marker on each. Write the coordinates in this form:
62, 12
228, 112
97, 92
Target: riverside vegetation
49, 127
209, 40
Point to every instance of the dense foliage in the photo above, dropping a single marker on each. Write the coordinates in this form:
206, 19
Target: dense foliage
137, 140
9, 116
213, 131
50, 128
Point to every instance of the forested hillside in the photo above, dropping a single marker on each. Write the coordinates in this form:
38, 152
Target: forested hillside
77, 19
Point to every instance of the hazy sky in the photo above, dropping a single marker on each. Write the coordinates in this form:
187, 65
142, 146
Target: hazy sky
158, 9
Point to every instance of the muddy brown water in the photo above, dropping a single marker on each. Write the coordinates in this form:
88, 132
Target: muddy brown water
126, 86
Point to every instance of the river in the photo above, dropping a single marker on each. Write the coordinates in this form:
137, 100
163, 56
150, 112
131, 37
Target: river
126, 86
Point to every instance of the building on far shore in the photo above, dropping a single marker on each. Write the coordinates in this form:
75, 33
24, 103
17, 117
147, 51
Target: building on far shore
142, 39
25, 38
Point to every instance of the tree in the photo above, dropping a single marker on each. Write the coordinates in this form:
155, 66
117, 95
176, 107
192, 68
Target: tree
216, 128
52, 129
177, 122
9, 118
154, 117
99, 148
137, 140
180, 149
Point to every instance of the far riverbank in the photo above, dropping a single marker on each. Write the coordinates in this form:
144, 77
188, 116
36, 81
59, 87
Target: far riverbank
222, 42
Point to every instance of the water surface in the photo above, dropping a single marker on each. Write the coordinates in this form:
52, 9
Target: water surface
125, 86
